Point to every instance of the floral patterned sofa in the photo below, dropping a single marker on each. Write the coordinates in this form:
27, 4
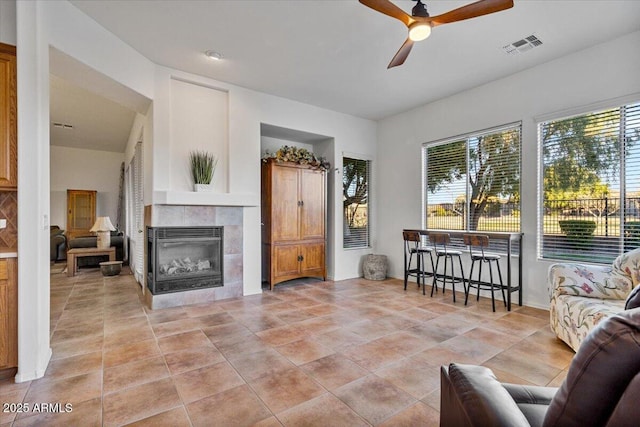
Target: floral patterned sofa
582, 295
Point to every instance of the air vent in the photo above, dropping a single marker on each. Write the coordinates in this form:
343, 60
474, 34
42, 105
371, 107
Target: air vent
521, 46
62, 125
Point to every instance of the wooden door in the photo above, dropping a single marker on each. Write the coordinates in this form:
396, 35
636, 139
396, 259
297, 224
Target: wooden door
312, 259
81, 212
285, 212
285, 261
312, 195
8, 118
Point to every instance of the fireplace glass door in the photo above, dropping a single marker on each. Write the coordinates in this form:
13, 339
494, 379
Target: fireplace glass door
181, 258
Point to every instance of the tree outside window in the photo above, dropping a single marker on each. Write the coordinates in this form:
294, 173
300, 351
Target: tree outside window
591, 185
473, 182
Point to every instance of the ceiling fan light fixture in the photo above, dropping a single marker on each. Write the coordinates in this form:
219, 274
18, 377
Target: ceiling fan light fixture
419, 31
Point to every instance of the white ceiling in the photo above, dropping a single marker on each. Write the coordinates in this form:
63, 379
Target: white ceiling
334, 53
87, 109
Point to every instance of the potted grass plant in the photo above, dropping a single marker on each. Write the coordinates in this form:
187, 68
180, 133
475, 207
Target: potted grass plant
203, 166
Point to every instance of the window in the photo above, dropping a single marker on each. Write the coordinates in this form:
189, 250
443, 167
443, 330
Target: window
472, 182
590, 185
135, 212
356, 176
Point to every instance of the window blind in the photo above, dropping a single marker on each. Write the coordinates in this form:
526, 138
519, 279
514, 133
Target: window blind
356, 178
472, 182
590, 190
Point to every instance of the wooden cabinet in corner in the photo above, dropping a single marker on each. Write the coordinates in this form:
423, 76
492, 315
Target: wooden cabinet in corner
294, 217
8, 317
8, 118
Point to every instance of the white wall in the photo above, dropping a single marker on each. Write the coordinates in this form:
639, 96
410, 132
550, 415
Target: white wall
199, 117
597, 74
8, 22
271, 145
78, 169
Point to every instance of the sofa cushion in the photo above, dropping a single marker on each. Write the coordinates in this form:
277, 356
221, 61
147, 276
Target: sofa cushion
599, 375
589, 281
573, 317
628, 265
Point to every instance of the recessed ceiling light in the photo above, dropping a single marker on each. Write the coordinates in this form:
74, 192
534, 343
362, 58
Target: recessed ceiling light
212, 54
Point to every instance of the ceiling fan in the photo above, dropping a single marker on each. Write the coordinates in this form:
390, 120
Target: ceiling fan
419, 23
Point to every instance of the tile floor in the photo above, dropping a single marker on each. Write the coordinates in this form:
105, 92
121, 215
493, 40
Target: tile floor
349, 353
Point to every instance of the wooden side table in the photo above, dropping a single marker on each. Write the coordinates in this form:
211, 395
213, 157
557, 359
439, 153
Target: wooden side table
75, 253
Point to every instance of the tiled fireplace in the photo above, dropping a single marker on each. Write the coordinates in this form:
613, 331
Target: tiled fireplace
184, 258
228, 219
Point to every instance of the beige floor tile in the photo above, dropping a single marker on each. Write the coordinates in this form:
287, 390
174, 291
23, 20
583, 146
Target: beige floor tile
339, 339
131, 352
372, 355
238, 406
474, 350
133, 404
303, 351
252, 366
134, 373
415, 415
176, 417
192, 358
72, 390
74, 365
281, 335
183, 341
334, 371
127, 336
199, 383
175, 327
325, 410
403, 342
415, 377
374, 398
240, 345
286, 389
225, 332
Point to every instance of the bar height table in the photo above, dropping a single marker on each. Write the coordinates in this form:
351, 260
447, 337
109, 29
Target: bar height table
510, 239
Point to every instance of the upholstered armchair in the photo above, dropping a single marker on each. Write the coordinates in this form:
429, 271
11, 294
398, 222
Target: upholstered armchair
602, 387
583, 295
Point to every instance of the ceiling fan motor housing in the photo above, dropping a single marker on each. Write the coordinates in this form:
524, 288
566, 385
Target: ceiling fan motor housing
419, 10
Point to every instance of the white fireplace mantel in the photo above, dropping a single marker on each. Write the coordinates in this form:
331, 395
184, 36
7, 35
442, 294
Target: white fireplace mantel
205, 198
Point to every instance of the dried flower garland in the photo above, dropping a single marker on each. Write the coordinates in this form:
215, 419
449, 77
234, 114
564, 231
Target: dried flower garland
297, 155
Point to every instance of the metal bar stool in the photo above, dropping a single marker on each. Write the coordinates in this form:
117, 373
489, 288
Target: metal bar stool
477, 243
413, 246
440, 242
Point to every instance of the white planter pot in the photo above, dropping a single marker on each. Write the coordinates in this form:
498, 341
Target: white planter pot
198, 188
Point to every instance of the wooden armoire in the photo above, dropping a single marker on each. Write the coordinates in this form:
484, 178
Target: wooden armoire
294, 211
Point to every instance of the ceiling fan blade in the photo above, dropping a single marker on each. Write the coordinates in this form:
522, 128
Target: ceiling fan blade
479, 8
402, 54
389, 9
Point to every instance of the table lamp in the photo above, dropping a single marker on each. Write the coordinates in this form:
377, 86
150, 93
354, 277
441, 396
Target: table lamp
103, 229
